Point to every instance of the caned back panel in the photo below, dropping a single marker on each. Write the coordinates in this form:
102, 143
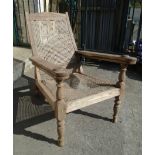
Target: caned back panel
51, 37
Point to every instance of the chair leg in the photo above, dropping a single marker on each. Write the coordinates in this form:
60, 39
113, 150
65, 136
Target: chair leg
121, 85
60, 112
60, 130
116, 108
60, 116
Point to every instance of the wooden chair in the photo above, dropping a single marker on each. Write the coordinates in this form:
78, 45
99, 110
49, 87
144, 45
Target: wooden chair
58, 73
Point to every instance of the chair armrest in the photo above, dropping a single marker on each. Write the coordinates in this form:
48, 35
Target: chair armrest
122, 59
56, 71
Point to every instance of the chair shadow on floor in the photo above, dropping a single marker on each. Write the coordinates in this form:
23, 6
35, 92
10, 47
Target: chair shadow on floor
81, 112
24, 87
21, 86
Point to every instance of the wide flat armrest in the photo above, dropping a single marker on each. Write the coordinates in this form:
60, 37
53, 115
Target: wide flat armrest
54, 70
123, 59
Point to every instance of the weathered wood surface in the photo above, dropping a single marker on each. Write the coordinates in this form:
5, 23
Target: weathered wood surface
47, 93
54, 30
46, 16
116, 108
54, 70
60, 111
122, 59
60, 73
90, 100
120, 84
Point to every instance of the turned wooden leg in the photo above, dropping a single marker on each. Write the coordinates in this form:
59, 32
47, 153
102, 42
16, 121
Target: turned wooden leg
60, 130
60, 116
60, 113
120, 84
116, 108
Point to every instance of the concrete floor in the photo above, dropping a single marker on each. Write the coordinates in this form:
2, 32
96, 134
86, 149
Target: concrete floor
89, 131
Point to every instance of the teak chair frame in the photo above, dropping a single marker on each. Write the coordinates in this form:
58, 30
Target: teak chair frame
60, 74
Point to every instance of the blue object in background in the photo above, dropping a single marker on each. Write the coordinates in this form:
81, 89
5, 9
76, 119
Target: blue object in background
139, 51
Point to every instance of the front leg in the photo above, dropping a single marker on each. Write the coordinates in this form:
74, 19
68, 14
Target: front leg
60, 112
60, 131
121, 85
116, 108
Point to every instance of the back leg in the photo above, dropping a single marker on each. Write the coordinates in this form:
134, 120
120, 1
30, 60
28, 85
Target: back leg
36, 90
116, 108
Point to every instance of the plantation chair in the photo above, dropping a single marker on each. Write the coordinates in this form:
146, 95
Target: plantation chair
58, 73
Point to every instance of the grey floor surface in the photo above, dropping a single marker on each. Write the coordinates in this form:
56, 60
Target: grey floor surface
89, 131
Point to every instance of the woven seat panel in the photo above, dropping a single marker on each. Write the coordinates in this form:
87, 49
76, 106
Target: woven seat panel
79, 86
53, 40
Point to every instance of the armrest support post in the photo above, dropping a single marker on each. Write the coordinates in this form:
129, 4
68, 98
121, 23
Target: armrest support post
120, 84
60, 111
121, 78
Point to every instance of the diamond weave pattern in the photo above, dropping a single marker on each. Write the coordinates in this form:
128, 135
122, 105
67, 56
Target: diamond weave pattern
52, 40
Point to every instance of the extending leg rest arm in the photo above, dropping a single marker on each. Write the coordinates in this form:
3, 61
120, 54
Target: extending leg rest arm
124, 61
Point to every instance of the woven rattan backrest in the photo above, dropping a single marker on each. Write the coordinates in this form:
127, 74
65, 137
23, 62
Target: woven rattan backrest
51, 37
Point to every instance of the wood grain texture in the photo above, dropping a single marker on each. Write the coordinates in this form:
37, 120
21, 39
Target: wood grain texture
123, 59
116, 108
60, 111
37, 73
55, 52
60, 130
122, 78
28, 22
70, 31
92, 99
53, 70
120, 84
47, 93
